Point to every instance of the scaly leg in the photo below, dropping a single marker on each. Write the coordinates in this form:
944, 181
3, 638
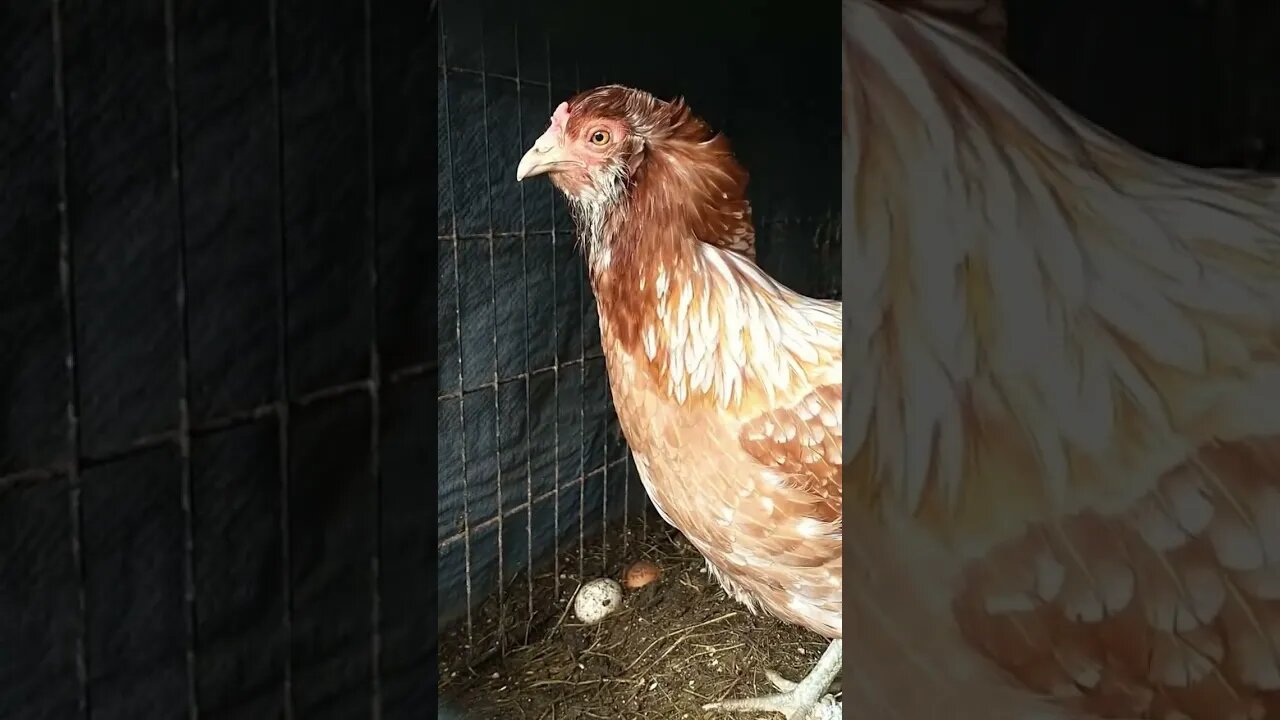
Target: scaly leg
805, 700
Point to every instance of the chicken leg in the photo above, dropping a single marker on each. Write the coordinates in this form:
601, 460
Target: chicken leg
805, 700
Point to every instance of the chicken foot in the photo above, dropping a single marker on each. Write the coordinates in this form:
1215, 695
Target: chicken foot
805, 700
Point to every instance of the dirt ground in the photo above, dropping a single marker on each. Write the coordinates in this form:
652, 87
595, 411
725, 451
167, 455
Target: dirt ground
674, 645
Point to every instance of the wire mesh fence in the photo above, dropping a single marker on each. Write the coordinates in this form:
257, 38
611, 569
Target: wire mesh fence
531, 457
214, 364
530, 453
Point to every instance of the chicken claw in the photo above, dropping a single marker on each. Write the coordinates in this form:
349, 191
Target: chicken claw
805, 700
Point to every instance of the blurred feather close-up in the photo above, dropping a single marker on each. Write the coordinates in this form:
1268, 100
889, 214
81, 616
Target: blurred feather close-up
1064, 444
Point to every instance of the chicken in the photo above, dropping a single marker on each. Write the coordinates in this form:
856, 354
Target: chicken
727, 385
1063, 403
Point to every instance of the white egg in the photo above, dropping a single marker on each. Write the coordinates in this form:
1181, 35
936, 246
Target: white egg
596, 600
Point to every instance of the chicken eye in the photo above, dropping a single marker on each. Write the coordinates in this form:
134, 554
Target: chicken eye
600, 137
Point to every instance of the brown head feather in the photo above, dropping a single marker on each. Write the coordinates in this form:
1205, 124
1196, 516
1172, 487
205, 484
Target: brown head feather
678, 184
679, 171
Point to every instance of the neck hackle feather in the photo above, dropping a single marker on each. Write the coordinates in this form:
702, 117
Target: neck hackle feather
671, 250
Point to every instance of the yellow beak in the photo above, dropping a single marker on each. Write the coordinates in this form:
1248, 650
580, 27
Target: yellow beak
543, 157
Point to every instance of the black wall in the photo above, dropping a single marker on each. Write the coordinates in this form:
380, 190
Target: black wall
1191, 80
214, 362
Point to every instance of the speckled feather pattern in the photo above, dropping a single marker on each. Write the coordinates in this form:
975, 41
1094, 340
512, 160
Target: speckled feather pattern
732, 409
726, 383
1065, 442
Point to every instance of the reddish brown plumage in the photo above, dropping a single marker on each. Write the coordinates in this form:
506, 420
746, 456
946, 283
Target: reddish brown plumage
684, 183
726, 384
1169, 606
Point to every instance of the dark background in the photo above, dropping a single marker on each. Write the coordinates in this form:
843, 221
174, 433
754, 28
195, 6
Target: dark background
1191, 80
214, 360
531, 457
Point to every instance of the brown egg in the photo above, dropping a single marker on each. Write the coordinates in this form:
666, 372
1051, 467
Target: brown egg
639, 574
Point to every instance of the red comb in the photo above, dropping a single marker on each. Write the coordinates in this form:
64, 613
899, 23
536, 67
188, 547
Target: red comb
560, 116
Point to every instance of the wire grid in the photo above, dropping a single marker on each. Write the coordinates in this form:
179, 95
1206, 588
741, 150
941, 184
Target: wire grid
78, 460
803, 253
805, 244
616, 465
